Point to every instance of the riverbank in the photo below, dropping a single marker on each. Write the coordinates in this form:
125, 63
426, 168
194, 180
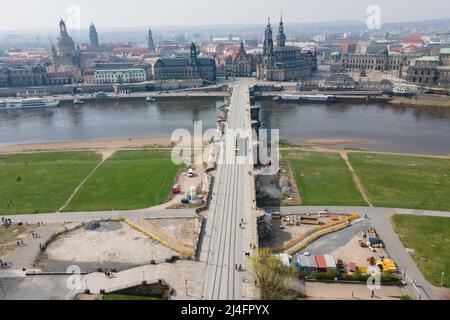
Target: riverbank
163, 142
422, 101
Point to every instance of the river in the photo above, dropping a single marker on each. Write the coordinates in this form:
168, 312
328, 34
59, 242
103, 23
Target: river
379, 127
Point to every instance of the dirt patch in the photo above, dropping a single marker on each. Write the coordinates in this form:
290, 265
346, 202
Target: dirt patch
87, 145
334, 142
181, 229
112, 245
10, 235
353, 252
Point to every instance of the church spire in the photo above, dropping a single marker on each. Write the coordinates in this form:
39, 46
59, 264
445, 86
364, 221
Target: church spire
268, 40
281, 37
93, 36
150, 41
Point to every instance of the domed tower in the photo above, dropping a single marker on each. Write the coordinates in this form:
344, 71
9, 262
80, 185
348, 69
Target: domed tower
65, 44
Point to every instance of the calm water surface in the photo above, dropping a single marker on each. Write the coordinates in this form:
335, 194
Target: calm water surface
377, 127
97, 121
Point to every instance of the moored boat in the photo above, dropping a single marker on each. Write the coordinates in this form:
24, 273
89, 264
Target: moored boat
28, 103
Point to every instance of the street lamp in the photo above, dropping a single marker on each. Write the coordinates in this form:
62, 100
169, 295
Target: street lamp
442, 279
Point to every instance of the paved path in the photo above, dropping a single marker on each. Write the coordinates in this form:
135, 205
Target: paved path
102, 215
356, 179
230, 204
381, 220
176, 274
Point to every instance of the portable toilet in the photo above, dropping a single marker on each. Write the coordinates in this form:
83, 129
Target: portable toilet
193, 192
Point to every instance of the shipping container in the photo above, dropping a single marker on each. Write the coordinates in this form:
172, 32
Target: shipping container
321, 263
329, 260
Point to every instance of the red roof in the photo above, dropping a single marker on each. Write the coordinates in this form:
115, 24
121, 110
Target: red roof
321, 262
417, 40
122, 49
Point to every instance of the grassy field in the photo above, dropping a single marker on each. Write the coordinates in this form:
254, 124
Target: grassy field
128, 180
323, 179
46, 179
404, 181
430, 238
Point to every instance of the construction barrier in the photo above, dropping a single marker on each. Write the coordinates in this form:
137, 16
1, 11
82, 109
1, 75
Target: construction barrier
304, 240
155, 237
167, 235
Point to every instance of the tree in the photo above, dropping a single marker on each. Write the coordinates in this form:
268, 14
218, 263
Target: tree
275, 281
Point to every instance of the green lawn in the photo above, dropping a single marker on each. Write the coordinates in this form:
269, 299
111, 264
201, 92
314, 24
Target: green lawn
323, 179
430, 238
128, 180
124, 297
404, 181
47, 179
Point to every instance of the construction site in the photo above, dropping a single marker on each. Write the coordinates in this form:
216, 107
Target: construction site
325, 246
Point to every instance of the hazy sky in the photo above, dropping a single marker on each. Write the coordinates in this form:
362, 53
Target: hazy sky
25, 14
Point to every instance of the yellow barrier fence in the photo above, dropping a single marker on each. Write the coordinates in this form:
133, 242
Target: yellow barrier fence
301, 238
171, 238
165, 243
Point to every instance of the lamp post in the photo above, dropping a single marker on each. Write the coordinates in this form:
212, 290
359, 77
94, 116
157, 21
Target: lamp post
442, 279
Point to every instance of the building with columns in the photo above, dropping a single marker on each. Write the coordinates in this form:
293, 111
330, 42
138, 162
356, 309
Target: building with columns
284, 63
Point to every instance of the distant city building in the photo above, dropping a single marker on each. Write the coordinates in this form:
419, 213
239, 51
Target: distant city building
382, 61
284, 63
66, 53
120, 76
186, 68
430, 70
150, 42
240, 65
23, 76
93, 36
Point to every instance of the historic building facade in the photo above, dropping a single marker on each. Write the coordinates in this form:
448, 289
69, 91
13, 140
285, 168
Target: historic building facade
23, 76
239, 66
65, 52
120, 76
381, 61
284, 63
430, 70
186, 68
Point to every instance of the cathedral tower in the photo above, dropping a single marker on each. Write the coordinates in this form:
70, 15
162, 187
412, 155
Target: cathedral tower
281, 37
268, 40
93, 36
150, 42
